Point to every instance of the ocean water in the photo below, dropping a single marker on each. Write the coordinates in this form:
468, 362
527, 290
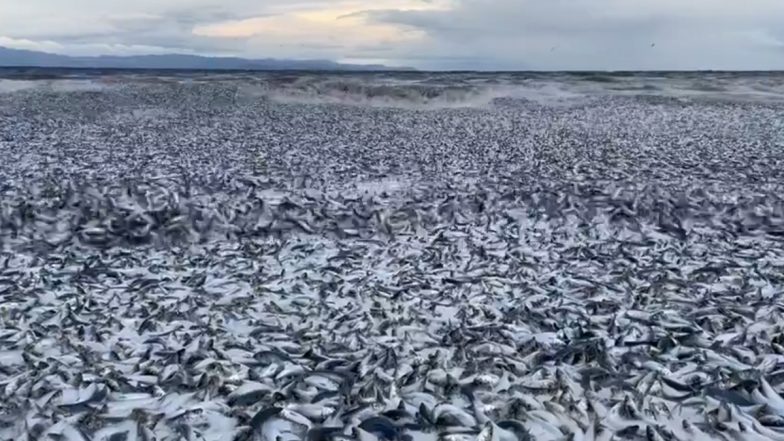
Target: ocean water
429, 89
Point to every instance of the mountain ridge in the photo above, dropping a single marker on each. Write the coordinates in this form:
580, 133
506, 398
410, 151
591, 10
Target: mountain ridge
27, 58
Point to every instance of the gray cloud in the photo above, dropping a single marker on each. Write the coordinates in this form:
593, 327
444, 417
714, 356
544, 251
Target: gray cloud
166, 24
600, 34
76, 26
461, 34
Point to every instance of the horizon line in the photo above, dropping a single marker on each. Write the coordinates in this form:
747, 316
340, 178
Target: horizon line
396, 70
340, 67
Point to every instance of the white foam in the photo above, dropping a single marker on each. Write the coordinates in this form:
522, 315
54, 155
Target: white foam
11, 86
59, 85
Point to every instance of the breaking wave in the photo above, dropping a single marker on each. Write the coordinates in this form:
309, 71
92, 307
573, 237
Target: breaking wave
460, 90
456, 90
418, 93
387, 95
427, 90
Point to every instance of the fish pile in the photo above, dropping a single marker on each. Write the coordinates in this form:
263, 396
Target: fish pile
182, 261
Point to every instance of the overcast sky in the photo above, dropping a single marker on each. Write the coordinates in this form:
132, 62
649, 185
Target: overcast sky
427, 34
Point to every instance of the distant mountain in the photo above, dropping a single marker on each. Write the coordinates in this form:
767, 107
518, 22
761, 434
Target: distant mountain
25, 58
